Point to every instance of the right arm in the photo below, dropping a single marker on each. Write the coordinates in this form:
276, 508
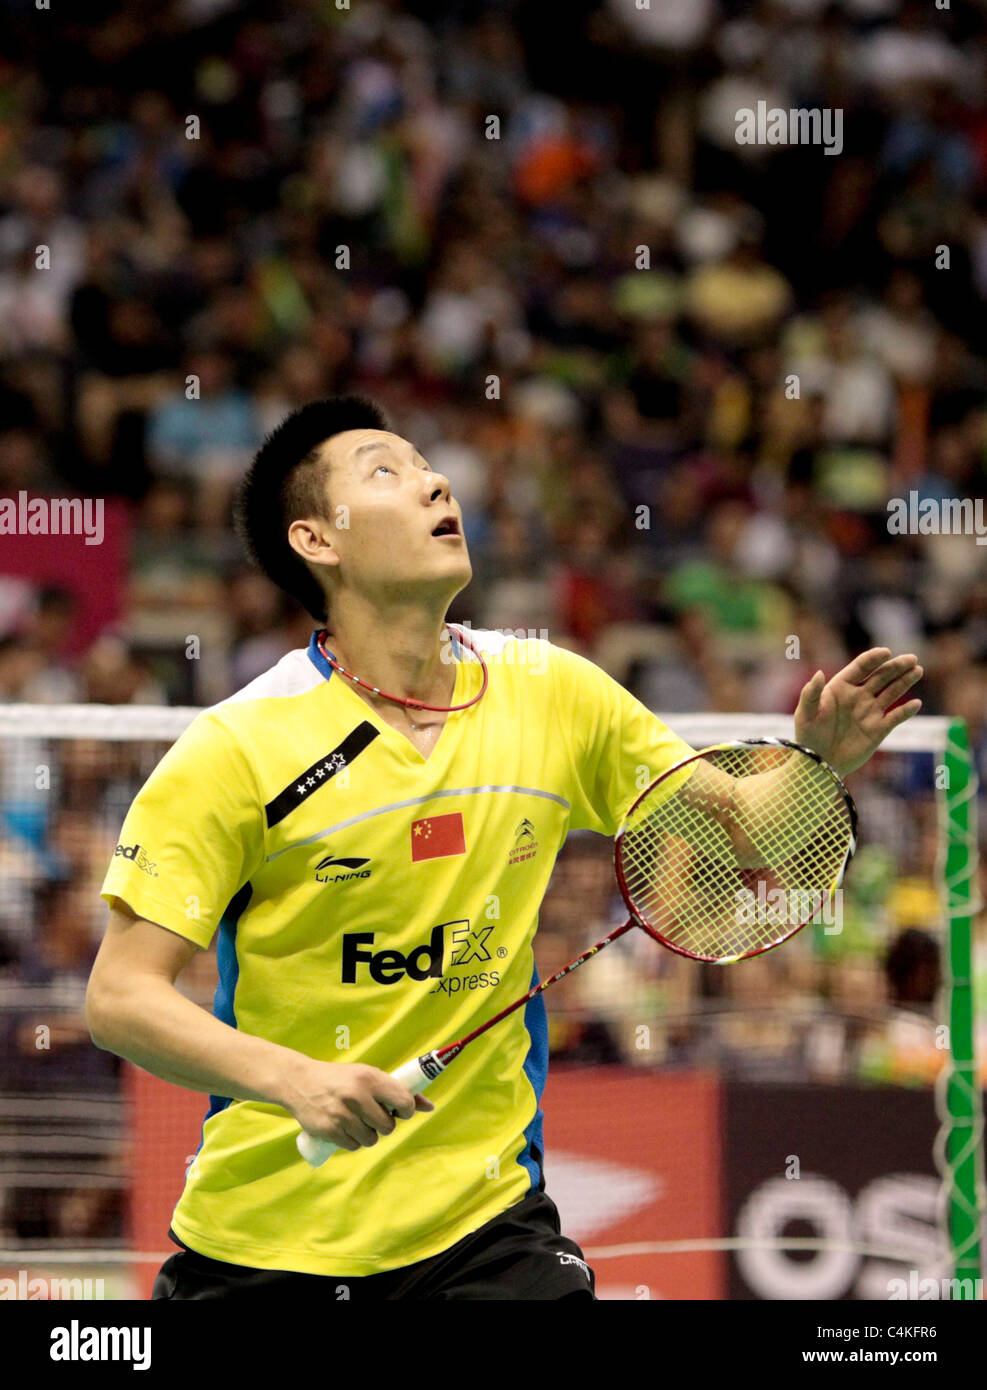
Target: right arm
133, 1008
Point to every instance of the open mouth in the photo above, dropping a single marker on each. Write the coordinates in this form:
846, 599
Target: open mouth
449, 527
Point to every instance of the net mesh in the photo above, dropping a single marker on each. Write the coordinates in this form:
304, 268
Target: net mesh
745, 848
708, 1133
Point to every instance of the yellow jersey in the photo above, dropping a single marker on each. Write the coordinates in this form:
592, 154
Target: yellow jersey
372, 904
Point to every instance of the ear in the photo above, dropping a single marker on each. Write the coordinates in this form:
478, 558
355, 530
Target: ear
314, 541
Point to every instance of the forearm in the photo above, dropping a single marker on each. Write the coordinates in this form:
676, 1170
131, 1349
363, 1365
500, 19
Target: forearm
153, 1025
766, 832
748, 808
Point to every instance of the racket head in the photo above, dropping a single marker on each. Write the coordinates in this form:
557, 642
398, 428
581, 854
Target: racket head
682, 880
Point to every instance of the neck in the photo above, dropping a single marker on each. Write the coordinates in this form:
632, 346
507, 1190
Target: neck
397, 648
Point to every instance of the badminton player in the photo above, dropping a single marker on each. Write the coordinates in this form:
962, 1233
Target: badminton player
369, 828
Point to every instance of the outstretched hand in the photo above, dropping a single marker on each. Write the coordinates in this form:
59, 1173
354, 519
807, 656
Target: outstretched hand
846, 719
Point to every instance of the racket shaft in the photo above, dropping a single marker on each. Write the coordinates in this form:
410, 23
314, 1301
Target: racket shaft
537, 989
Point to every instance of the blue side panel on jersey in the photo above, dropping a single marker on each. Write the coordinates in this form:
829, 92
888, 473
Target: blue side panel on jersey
536, 1070
229, 974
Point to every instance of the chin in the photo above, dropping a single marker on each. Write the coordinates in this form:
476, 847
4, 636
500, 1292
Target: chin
460, 562
465, 578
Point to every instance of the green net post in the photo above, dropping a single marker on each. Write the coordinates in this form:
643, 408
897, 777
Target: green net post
963, 1120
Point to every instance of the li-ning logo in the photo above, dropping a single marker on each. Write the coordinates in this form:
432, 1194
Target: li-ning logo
430, 1066
566, 1259
323, 874
525, 844
138, 857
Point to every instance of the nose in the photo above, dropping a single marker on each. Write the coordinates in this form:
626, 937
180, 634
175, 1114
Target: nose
438, 486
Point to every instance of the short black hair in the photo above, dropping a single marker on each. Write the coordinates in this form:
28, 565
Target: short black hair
284, 483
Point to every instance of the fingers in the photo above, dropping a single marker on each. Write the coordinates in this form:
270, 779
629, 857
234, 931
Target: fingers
353, 1130
812, 693
395, 1096
890, 671
890, 693
341, 1132
864, 665
380, 1114
363, 1122
383, 1101
353, 1134
377, 1107
900, 715
375, 1116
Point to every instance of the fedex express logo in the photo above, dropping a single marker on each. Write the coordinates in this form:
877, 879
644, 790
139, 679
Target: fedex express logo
423, 962
137, 856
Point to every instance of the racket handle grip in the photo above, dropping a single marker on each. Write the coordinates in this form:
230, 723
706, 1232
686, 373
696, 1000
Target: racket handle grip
416, 1075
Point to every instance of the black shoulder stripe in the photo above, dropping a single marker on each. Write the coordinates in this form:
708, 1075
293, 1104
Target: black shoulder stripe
321, 772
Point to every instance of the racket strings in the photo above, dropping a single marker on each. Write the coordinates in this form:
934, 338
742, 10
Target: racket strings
721, 876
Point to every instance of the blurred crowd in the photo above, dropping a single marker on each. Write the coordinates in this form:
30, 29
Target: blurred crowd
673, 380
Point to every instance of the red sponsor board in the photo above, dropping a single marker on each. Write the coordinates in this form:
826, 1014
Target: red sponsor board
632, 1159
95, 575
166, 1127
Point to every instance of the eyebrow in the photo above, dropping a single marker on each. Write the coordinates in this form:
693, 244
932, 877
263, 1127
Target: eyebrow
377, 444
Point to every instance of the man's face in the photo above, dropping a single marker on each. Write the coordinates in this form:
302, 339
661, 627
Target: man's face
384, 503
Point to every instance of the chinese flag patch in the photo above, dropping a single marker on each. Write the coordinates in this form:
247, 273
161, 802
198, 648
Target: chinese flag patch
437, 837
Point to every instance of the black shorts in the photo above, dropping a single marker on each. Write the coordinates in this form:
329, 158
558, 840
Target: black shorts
517, 1255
